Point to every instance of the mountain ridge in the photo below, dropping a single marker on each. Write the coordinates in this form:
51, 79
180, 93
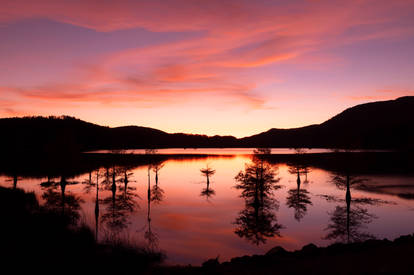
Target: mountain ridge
381, 124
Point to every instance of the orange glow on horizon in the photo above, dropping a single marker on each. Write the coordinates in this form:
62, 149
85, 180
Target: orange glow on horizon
214, 67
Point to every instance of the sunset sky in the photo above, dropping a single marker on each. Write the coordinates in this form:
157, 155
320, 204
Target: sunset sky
210, 67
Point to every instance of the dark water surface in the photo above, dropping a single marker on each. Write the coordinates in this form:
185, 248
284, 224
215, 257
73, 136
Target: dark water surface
198, 208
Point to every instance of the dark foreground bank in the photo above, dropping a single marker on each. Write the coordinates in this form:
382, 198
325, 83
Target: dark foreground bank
369, 257
36, 239
39, 240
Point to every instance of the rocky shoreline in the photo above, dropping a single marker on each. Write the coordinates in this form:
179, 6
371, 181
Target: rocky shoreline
369, 257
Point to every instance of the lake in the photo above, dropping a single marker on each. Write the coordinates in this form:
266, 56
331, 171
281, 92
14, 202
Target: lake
170, 204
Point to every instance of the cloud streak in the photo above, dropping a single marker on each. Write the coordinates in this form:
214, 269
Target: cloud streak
228, 54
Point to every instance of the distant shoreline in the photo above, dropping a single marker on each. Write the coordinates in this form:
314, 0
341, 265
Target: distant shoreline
379, 125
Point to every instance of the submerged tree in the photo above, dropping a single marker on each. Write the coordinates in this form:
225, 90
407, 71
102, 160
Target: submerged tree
118, 205
157, 193
298, 198
346, 222
258, 180
154, 194
207, 192
67, 203
305, 169
300, 166
92, 183
14, 179
257, 221
149, 234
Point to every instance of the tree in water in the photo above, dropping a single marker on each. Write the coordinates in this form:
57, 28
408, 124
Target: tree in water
257, 221
153, 195
300, 166
157, 193
128, 196
118, 205
207, 192
92, 183
14, 179
305, 169
346, 222
298, 198
67, 203
149, 235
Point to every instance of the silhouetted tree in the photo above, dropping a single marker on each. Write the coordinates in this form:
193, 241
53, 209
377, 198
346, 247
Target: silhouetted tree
346, 221
298, 198
49, 182
69, 204
126, 178
257, 221
93, 182
157, 193
207, 172
156, 196
149, 234
119, 206
257, 179
15, 179
305, 169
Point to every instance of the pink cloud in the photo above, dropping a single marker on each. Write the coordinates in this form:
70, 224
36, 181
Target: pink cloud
218, 65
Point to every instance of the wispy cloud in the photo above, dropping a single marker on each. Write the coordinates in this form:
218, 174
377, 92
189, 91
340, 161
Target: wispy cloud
235, 49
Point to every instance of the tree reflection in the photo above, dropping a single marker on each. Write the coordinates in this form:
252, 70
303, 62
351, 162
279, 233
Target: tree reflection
298, 198
93, 183
149, 235
157, 193
207, 192
15, 180
67, 204
257, 221
305, 169
346, 222
154, 194
118, 205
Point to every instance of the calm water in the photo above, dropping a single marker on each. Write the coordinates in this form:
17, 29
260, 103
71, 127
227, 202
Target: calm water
191, 222
225, 151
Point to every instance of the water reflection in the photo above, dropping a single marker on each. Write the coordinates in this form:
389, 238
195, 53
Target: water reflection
14, 179
157, 193
207, 192
258, 221
119, 206
346, 222
66, 203
298, 198
174, 218
91, 184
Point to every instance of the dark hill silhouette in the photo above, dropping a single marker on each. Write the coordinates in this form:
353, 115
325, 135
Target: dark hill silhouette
63, 135
385, 124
